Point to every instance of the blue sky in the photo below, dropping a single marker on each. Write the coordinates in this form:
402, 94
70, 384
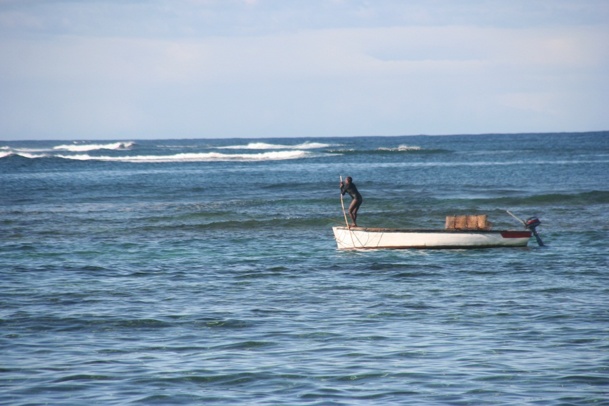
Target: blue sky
110, 69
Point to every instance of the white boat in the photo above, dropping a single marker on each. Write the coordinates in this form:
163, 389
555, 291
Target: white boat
463, 231
394, 238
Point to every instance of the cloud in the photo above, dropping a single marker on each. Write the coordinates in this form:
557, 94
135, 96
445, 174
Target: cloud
357, 75
319, 53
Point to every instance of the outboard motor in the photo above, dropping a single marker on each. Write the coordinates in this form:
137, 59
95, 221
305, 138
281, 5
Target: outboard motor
531, 224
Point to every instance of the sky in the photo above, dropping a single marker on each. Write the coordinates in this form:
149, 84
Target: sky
137, 69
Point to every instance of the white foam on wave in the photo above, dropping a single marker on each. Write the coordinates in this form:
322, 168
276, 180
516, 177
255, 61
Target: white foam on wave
195, 157
94, 147
402, 148
22, 154
20, 151
264, 145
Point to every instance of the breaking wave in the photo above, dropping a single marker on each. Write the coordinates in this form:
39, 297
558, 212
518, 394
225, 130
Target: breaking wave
264, 145
94, 147
402, 148
22, 154
195, 157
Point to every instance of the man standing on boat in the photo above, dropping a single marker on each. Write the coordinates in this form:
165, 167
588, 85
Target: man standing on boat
349, 187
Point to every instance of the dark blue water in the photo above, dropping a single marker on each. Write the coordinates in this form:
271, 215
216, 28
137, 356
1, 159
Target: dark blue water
205, 272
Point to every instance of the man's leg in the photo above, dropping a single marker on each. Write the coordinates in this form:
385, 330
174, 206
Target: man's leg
353, 208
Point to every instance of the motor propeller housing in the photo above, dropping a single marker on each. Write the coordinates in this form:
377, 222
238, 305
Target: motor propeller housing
531, 224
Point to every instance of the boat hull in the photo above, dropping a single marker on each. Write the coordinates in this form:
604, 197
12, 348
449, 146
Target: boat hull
391, 238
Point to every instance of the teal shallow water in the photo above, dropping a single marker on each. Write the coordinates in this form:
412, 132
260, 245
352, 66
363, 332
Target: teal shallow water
194, 281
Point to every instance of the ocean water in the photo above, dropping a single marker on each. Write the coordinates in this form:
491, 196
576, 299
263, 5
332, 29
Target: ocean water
204, 271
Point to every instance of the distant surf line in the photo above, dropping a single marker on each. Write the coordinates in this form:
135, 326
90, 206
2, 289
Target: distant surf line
264, 145
195, 157
121, 145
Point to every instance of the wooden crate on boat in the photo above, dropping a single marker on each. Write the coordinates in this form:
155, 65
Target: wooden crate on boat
468, 222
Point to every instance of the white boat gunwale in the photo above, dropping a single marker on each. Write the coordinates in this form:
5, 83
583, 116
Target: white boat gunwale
429, 230
400, 238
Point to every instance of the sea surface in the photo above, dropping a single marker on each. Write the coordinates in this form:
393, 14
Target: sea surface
204, 271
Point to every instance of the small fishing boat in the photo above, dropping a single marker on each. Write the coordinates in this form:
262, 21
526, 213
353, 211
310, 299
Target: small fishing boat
463, 231
472, 231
